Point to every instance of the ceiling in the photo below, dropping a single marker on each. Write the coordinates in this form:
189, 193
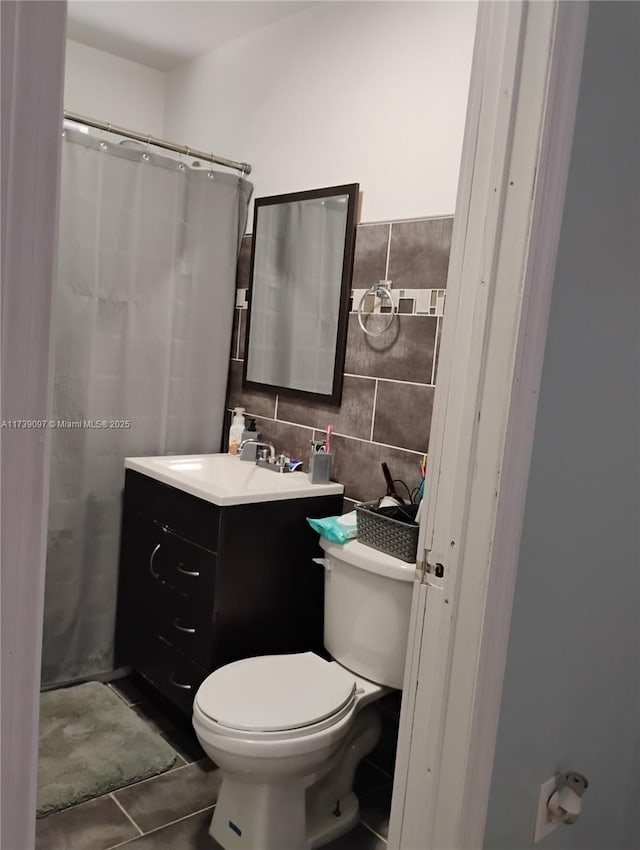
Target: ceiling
165, 33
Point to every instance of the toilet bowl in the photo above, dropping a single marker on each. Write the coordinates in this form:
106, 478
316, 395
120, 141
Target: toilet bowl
288, 731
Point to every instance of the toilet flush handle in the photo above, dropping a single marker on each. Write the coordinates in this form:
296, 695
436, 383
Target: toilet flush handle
323, 562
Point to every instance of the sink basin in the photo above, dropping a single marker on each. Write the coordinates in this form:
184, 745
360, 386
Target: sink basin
226, 480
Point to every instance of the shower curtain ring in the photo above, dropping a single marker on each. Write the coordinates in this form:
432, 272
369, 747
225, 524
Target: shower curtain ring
210, 174
145, 155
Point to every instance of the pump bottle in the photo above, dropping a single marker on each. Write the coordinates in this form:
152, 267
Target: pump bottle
236, 430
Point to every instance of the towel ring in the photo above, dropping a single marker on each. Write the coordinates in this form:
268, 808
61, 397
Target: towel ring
376, 289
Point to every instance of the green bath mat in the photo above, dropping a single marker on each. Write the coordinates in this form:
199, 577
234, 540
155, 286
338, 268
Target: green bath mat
92, 743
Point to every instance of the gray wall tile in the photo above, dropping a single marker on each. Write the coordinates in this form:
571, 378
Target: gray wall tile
239, 336
370, 262
352, 417
255, 402
403, 415
95, 825
242, 333
419, 253
290, 439
356, 464
234, 333
403, 353
244, 262
173, 795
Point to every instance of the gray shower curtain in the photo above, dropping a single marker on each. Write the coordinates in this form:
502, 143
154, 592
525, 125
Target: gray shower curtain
143, 319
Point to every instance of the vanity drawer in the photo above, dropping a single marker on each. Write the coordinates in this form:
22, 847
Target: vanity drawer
186, 567
188, 627
172, 674
186, 515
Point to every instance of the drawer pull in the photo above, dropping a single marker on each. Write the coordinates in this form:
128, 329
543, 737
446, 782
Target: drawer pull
180, 628
151, 558
184, 572
179, 684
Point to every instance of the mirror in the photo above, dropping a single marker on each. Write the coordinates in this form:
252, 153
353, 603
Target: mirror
299, 289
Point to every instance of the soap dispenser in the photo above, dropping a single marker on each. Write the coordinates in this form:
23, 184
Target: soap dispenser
236, 430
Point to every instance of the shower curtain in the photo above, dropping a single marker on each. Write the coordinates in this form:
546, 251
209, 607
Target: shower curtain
143, 319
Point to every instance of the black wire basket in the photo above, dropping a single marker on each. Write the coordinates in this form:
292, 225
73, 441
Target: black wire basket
389, 529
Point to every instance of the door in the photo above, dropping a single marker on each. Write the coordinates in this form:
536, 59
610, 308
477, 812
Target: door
524, 87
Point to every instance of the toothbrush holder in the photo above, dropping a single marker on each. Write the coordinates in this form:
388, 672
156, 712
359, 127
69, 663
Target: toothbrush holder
320, 468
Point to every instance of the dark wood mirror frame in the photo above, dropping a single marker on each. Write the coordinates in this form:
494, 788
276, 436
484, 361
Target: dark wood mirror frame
351, 190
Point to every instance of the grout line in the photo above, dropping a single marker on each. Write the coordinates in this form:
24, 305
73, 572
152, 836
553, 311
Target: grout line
157, 775
373, 832
405, 220
386, 268
379, 769
373, 411
286, 422
375, 443
126, 813
435, 349
164, 826
391, 380
344, 436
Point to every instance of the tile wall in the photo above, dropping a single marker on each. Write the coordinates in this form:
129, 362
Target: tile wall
389, 380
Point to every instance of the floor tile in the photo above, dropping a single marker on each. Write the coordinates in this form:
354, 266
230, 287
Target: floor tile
128, 690
180, 735
191, 833
375, 809
95, 825
369, 778
359, 838
172, 795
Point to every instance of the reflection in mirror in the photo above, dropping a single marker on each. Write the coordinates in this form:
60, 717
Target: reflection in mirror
301, 267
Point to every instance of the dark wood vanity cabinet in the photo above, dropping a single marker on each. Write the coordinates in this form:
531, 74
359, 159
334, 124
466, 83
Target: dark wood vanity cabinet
201, 585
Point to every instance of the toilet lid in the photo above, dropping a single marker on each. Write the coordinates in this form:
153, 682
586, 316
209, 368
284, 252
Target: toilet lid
273, 693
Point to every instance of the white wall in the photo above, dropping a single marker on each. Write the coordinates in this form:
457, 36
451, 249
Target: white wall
571, 693
106, 87
344, 92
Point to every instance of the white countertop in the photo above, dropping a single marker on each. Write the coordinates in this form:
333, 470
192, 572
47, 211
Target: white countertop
226, 480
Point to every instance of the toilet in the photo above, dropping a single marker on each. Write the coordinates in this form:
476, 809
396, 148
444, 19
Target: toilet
288, 731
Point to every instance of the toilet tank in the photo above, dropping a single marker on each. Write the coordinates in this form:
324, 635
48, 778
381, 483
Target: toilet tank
367, 600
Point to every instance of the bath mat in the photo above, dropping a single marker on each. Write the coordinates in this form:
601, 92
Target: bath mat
92, 743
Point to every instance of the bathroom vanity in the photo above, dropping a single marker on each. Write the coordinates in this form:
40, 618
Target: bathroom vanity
215, 565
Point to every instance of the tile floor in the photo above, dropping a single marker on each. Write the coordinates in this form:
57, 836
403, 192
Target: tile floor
173, 811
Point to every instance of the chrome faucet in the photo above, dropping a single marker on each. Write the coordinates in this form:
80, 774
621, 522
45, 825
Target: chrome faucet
260, 448
279, 463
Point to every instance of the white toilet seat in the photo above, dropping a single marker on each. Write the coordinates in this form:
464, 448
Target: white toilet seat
276, 697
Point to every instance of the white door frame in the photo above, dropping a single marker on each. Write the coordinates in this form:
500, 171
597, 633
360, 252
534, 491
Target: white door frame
523, 97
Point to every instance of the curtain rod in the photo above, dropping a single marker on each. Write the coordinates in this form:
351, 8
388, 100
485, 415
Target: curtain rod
244, 167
